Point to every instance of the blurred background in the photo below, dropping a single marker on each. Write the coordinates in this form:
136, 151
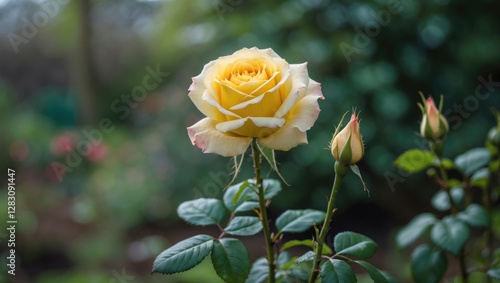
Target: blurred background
99, 174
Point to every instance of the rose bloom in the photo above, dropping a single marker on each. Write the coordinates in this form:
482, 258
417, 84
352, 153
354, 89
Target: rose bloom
253, 93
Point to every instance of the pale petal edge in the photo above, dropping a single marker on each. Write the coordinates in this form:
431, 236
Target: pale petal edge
204, 135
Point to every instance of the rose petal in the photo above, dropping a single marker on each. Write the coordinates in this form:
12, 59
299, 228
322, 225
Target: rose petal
257, 121
300, 119
204, 135
208, 98
300, 79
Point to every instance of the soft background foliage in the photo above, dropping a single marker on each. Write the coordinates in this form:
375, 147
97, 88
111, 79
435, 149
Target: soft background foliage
117, 208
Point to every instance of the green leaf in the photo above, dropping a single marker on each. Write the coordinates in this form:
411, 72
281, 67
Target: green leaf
308, 256
202, 211
450, 234
337, 271
494, 273
355, 244
259, 272
244, 226
415, 160
355, 170
414, 229
230, 260
183, 255
307, 243
374, 273
269, 156
441, 202
243, 197
475, 215
472, 160
480, 178
296, 221
428, 265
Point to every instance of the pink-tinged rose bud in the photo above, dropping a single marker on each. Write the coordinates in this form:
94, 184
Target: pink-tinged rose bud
434, 126
347, 146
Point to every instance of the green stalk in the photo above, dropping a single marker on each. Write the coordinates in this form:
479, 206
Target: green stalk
454, 211
340, 172
263, 210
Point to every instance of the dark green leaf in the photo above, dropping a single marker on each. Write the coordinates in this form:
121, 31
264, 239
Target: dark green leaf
308, 256
475, 215
243, 197
202, 211
183, 255
450, 234
428, 265
307, 243
355, 244
244, 226
414, 160
337, 271
472, 160
295, 221
230, 260
441, 201
494, 273
413, 230
259, 272
374, 273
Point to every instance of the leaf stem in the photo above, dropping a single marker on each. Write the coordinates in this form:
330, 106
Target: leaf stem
340, 172
263, 210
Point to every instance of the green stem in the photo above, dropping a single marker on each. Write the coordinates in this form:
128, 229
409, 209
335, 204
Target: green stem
263, 210
454, 211
340, 172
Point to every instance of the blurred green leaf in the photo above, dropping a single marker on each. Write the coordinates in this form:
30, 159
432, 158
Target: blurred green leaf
494, 273
259, 272
428, 264
308, 256
202, 211
230, 260
441, 201
414, 229
475, 215
375, 274
450, 234
296, 221
415, 160
472, 160
480, 178
183, 255
244, 226
307, 243
337, 271
355, 244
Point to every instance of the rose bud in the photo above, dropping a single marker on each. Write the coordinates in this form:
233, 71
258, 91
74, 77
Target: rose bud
434, 126
347, 146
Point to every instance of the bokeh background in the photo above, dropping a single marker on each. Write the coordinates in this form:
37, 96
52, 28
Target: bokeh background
102, 216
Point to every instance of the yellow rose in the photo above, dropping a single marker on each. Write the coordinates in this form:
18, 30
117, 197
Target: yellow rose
253, 93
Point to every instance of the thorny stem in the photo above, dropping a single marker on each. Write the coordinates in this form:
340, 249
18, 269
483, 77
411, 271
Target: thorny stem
340, 172
263, 210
